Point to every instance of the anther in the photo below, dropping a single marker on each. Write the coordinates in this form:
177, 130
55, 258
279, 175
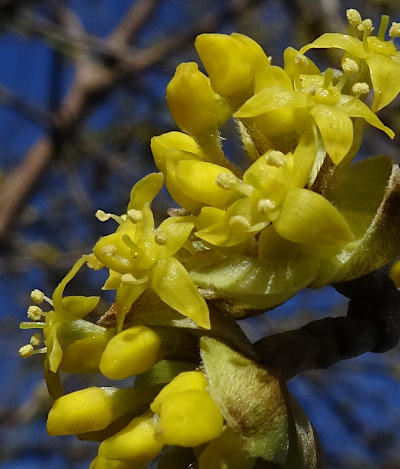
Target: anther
240, 222
109, 250
37, 296
102, 215
366, 26
266, 204
394, 30
36, 340
160, 237
135, 215
276, 158
353, 17
350, 65
300, 59
360, 88
226, 181
26, 351
35, 313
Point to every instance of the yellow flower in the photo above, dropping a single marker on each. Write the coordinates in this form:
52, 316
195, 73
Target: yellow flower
272, 192
280, 113
380, 56
189, 178
64, 323
140, 256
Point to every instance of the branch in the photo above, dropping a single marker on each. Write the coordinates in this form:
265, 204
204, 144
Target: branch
372, 325
93, 80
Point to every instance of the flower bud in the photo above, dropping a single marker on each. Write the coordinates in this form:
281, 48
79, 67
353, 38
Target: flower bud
84, 411
137, 442
192, 102
189, 418
184, 381
197, 180
227, 61
132, 351
161, 145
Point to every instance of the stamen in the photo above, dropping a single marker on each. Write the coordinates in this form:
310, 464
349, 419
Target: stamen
276, 158
35, 313
350, 66
394, 30
102, 215
26, 351
366, 26
300, 59
94, 263
360, 88
264, 205
240, 222
160, 237
37, 296
109, 250
383, 27
226, 181
135, 215
353, 17
36, 340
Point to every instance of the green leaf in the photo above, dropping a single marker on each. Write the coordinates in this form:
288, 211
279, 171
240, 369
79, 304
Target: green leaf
367, 194
250, 398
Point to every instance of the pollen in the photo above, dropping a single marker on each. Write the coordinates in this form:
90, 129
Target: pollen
36, 340
26, 351
360, 88
366, 26
37, 296
226, 181
102, 215
394, 30
34, 313
353, 17
350, 65
301, 59
135, 215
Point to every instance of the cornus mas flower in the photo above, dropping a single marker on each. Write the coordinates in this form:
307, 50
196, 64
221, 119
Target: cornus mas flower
380, 56
243, 240
140, 257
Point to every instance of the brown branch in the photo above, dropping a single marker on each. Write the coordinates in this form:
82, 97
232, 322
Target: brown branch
92, 81
372, 325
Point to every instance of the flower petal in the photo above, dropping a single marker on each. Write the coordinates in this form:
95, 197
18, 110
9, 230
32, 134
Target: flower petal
336, 130
79, 306
308, 218
145, 190
353, 107
127, 294
269, 99
339, 41
385, 72
174, 286
176, 231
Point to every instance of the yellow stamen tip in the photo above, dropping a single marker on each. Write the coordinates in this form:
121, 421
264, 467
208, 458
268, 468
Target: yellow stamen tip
37, 296
102, 216
394, 30
353, 17
36, 340
134, 215
34, 313
26, 351
226, 181
360, 88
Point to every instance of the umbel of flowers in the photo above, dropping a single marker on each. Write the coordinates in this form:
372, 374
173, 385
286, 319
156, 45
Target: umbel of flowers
244, 239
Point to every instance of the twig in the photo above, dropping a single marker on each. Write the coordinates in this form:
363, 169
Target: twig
372, 325
92, 81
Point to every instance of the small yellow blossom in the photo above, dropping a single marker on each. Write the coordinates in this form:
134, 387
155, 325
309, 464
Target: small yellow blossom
380, 56
133, 251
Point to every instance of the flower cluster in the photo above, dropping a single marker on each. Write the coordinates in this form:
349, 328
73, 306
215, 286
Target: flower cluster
244, 239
